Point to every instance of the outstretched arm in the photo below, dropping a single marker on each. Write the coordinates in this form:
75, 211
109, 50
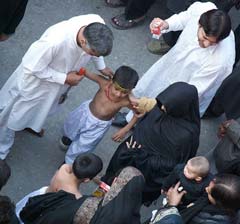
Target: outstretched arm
120, 134
95, 77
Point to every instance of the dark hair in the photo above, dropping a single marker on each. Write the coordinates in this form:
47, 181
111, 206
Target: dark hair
87, 165
126, 77
216, 23
226, 191
5, 173
7, 210
99, 38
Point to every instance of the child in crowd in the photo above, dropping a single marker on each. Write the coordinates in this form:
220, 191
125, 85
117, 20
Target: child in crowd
86, 125
69, 177
194, 177
5, 173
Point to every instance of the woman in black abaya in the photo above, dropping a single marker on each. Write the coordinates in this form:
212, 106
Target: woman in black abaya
168, 135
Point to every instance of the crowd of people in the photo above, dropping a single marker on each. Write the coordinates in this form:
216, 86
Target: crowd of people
158, 159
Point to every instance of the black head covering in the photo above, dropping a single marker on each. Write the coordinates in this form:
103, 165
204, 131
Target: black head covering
124, 206
181, 101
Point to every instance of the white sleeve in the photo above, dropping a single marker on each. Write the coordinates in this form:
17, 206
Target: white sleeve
37, 59
179, 21
98, 62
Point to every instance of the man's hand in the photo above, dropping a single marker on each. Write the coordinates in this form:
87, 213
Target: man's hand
73, 78
107, 72
157, 22
174, 197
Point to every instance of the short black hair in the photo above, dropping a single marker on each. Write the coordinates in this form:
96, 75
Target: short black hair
126, 77
87, 165
99, 37
216, 23
7, 210
226, 191
5, 173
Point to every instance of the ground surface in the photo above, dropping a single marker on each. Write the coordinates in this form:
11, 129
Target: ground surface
34, 160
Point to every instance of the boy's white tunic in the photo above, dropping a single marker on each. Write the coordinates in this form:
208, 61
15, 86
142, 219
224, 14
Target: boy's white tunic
33, 90
205, 68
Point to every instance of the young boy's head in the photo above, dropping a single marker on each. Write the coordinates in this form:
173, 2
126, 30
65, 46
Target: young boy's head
7, 210
124, 80
86, 166
5, 173
196, 168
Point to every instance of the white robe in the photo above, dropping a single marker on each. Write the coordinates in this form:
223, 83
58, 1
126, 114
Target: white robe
205, 68
32, 92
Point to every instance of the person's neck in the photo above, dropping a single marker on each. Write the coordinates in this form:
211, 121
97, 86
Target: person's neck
73, 188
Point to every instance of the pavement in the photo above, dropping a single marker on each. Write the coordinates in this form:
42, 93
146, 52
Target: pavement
34, 160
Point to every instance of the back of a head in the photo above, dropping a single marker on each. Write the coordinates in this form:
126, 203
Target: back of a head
201, 165
7, 210
5, 173
87, 165
126, 77
99, 37
226, 191
216, 23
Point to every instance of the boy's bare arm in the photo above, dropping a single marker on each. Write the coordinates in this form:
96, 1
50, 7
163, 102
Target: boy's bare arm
96, 77
120, 134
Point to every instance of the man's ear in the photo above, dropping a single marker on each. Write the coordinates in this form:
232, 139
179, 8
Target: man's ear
83, 42
86, 180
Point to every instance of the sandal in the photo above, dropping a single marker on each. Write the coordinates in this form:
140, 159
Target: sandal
115, 3
121, 23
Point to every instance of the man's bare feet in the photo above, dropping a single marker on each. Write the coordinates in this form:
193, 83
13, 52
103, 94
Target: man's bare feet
38, 134
4, 36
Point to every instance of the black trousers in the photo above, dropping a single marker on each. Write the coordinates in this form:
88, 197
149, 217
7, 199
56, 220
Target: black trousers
237, 44
137, 8
11, 14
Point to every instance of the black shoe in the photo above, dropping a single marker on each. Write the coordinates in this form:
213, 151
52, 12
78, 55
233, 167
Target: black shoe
65, 142
120, 119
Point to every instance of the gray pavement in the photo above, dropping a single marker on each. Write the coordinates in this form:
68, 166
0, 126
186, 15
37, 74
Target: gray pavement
34, 160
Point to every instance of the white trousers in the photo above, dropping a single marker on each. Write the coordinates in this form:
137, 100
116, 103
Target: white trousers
6, 141
85, 130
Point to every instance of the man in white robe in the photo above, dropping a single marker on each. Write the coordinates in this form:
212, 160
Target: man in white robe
189, 61
48, 68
